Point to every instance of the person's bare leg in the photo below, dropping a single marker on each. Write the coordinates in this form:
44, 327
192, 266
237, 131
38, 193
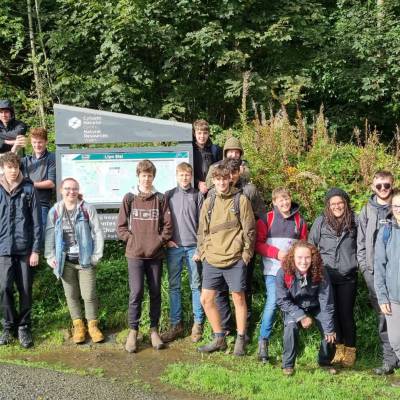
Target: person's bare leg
239, 301
211, 310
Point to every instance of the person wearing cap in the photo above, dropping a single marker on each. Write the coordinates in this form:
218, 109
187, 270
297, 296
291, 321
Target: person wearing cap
334, 233
12, 131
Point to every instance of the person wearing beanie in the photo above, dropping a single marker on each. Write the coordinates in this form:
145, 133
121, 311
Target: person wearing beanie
12, 131
334, 233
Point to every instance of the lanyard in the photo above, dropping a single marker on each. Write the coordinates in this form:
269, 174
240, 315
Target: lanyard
71, 225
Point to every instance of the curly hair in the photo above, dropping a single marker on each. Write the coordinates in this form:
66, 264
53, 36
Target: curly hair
316, 270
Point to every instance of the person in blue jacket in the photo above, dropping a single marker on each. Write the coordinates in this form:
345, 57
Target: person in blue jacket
387, 273
304, 294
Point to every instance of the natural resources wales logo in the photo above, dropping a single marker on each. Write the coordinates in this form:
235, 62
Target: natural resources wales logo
74, 123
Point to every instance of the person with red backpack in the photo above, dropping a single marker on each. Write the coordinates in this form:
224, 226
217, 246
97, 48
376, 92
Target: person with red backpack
304, 294
275, 234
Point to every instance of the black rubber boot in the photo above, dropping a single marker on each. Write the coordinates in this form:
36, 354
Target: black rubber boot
263, 350
217, 344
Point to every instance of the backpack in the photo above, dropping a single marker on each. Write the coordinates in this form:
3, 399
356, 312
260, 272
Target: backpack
269, 220
236, 206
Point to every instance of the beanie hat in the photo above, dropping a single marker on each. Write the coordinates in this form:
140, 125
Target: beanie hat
336, 192
233, 144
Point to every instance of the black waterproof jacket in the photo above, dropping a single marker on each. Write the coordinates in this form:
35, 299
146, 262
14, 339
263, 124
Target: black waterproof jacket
20, 220
339, 253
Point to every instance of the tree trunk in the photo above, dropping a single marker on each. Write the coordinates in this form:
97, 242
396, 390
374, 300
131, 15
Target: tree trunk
380, 12
38, 84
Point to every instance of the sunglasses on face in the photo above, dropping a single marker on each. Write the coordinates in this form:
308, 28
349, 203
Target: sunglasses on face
379, 186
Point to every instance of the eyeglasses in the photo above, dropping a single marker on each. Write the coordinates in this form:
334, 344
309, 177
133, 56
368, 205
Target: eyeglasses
379, 186
396, 206
69, 189
337, 205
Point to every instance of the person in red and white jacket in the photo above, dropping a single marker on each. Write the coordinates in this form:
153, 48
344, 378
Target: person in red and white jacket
275, 235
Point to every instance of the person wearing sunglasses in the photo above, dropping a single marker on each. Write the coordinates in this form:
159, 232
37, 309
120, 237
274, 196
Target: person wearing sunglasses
373, 216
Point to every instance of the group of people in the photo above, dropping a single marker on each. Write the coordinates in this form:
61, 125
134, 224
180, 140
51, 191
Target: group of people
215, 228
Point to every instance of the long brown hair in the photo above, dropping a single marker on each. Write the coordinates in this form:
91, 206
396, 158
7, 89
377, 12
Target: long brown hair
346, 221
316, 270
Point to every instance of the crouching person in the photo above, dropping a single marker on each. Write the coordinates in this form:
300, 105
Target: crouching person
73, 246
304, 294
20, 235
226, 238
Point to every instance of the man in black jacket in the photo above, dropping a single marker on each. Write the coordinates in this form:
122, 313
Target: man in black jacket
12, 131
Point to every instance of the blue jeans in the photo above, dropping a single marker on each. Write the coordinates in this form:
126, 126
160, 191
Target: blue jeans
269, 308
175, 258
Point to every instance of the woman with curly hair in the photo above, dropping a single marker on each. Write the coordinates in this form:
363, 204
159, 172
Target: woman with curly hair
304, 295
334, 233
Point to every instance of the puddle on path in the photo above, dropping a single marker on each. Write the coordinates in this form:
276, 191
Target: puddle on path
141, 369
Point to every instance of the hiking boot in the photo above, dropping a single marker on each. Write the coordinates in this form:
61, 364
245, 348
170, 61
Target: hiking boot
94, 331
25, 337
217, 344
156, 341
263, 350
6, 337
239, 346
288, 371
131, 341
197, 332
79, 331
385, 369
339, 354
174, 332
349, 357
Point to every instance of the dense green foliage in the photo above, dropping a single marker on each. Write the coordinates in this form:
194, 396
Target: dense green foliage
187, 59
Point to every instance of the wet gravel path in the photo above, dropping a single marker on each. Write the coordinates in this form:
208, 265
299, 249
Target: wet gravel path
26, 383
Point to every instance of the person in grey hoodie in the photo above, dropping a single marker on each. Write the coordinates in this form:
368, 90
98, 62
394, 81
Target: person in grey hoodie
334, 233
372, 216
387, 273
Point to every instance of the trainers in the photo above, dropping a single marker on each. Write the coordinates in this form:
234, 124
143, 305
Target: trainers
156, 341
239, 346
6, 337
263, 350
385, 369
197, 332
288, 371
217, 344
131, 341
329, 368
174, 332
25, 337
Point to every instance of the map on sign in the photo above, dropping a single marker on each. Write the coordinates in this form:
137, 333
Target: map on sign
105, 178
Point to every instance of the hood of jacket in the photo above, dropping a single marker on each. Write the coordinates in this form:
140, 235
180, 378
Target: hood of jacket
379, 207
9, 188
233, 144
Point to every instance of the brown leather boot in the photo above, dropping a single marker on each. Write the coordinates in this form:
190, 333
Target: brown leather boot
156, 341
79, 331
197, 332
349, 357
339, 354
94, 331
217, 344
131, 341
174, 332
